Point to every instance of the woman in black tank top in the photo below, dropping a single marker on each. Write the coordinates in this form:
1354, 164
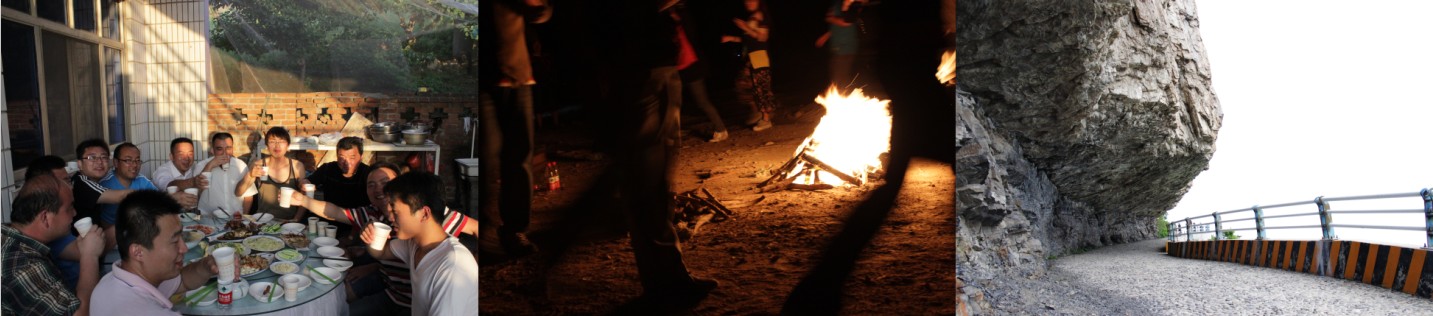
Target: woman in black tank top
282, 172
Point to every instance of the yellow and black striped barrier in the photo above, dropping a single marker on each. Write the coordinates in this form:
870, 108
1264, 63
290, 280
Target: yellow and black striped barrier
1403, 269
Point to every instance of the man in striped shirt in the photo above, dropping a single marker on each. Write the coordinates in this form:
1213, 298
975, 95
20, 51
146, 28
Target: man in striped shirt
396, 275
44, 211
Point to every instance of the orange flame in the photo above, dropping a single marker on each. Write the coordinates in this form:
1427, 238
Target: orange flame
851, 137
946, 72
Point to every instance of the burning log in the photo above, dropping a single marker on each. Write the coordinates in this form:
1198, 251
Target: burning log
698, 209
850, 140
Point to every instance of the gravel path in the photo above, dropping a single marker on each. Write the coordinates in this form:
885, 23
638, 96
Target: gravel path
1134, 279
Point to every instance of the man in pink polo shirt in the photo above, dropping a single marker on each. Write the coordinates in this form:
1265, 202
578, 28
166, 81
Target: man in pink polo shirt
151, 266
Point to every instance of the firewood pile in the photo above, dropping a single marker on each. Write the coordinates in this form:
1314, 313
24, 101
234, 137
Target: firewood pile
696, 208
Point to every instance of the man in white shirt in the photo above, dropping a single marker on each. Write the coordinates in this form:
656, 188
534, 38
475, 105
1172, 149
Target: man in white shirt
179, 171
150, 268
225, 172
445, 273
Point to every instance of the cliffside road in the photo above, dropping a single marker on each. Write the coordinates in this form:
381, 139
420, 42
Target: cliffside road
1137, 279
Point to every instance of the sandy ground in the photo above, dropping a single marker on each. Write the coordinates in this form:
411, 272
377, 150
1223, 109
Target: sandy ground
759, 256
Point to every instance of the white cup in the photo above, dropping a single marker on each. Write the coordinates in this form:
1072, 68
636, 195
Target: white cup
224, 258
208, 175
173, 189
380, 236
192, 191
291, 288
313, 225
83, 225
72, 167
308, 190
265, 176
330, 231
286, 196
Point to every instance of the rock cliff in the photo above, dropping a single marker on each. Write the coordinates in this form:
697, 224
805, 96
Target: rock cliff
1077, 124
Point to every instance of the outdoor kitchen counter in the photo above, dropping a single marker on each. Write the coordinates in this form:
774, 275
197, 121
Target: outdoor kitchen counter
372, 146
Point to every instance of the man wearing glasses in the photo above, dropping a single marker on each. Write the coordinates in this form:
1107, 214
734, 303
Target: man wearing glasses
126, 177
89, 194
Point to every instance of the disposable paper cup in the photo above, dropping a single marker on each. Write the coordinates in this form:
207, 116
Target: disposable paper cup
83, 225
313, 225
265, 177
380, 236
286, 196
331, 231
224, 258
208, 175
173, 189
192, 191
72, 166
308, 190
291, 289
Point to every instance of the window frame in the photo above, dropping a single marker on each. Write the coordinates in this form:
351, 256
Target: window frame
39, 26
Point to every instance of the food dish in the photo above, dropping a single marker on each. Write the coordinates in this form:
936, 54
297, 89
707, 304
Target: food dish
206, 229
260, 292
251, 265
238, 248
264, 243
293, 228
289, 255
270, 229
296, 240
282, 267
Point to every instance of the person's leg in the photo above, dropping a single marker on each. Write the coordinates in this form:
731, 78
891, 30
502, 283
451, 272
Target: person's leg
515, 200
489, 147
765, 100
697, 89
658, 254
745, 94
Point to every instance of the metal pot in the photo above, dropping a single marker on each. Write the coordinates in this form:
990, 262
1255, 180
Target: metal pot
383, 132
414, 137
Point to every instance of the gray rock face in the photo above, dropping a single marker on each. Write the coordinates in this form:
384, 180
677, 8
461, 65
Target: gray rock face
1078, 122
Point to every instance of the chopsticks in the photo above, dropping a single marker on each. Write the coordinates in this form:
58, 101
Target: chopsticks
190, 300
325, 277
331, 258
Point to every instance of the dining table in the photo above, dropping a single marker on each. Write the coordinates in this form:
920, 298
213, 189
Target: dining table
317, 299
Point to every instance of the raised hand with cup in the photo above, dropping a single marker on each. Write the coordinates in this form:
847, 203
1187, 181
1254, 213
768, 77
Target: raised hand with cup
376, 236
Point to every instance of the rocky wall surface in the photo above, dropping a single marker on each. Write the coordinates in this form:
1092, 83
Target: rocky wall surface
1078, 123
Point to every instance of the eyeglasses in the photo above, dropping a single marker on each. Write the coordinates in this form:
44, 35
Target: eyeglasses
129, 161
95, 158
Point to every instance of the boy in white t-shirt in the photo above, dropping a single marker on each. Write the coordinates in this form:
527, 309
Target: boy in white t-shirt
445, 273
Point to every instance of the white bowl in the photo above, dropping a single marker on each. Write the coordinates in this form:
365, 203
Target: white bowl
325, 242
294, 228
331, 252
326, 271
304, 280
263, 218
339, 265
293, 268
257, 291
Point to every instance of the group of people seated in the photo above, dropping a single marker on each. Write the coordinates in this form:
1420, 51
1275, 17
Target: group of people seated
51, 268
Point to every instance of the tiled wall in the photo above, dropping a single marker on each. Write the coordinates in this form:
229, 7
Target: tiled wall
168, 90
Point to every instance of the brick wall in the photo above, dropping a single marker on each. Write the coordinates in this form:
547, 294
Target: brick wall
283, 109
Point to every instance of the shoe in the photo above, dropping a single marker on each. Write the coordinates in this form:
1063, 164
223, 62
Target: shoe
718, 137
762, 125
753, 118
517, 245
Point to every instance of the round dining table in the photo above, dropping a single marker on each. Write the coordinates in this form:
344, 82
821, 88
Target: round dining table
317, 299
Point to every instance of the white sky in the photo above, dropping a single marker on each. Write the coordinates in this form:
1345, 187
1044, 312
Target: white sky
1320, 98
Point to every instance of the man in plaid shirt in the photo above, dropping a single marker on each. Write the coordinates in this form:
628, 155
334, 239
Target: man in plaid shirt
44, 211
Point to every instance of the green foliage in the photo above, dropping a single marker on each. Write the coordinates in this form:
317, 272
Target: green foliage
351, 45
1161, 227
1228, 235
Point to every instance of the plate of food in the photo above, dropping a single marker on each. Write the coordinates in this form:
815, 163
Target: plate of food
238, 247
270, 229
192, 237
237, 230
205, 229
289, 255
251, 265
298, 241
284, 268
264, 243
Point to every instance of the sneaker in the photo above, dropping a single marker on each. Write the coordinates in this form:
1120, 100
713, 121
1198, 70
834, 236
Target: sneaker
762, 125
718, 137
517, 245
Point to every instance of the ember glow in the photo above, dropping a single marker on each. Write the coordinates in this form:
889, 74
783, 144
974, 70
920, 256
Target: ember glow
946, 72
851, 137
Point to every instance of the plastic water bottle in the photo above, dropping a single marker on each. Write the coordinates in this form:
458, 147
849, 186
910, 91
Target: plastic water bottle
226, 294
553, 181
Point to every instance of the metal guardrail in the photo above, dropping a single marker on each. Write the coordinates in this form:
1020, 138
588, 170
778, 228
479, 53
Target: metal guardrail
1324, 213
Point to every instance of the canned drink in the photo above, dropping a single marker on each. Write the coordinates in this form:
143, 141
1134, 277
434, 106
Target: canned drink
226, 294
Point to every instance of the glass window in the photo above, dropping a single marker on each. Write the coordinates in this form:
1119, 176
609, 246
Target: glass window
22, 95
110, 15
53, 10
84, 14
114, 97
18, 5
72, 94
